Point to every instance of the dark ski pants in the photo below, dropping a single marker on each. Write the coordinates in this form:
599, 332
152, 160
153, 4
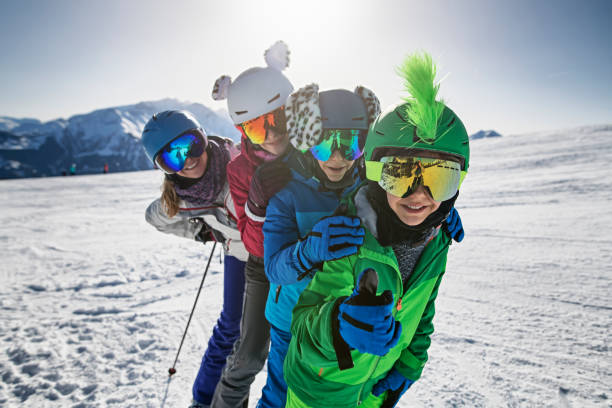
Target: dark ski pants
251, 349
274, 394
225, 332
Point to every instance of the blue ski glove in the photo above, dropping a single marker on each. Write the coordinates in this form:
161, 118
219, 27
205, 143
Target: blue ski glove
396, 385
453, 225
330, 238
366, 322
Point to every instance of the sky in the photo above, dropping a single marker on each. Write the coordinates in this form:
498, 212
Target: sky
510, 66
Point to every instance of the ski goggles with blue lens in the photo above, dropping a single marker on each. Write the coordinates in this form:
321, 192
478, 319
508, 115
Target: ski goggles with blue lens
346, 141
171, 158
402, 175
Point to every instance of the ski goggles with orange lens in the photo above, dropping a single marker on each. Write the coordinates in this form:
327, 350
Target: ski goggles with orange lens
171, 158
256, 129
344, 140
402, 176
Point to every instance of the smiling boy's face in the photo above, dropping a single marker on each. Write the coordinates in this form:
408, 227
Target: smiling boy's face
336, 167
415, 208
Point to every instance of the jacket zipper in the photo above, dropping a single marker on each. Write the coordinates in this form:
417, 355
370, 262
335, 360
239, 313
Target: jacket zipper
278, 289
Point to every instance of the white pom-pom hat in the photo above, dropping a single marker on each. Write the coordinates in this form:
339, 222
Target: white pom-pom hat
257, 90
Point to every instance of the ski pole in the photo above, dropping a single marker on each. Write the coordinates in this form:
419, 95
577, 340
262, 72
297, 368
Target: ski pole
172, 370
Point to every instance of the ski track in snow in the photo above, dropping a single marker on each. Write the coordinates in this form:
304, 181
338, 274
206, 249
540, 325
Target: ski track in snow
94, 301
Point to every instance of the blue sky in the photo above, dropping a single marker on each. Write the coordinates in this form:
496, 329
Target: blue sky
513, 66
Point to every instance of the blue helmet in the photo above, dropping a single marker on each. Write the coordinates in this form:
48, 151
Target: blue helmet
165, 126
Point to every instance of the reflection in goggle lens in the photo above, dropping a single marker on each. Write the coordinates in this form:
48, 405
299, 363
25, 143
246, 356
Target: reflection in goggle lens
256, 129
171, 158
401, 176
344, 140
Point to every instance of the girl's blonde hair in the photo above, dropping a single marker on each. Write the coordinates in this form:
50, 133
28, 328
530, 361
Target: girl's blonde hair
169, 198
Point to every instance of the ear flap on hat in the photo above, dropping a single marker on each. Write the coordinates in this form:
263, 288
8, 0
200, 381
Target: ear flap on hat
304, 125
371, 102
277, 56
221, 87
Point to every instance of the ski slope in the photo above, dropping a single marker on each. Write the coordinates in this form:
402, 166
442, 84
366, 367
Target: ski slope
94, 301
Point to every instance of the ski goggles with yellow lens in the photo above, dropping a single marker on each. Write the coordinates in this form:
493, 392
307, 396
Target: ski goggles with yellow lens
344, 140
171, 158
256, 129
402, 175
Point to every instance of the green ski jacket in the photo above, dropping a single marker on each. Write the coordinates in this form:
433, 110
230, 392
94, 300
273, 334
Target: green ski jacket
312, 367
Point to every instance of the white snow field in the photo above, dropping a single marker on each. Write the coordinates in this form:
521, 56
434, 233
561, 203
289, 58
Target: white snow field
94, 301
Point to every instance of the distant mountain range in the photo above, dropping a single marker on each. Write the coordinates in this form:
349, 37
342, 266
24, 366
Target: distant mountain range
481, 134
31, 148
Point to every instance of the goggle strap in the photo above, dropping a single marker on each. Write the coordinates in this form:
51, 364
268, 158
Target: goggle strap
374, 170
463, 174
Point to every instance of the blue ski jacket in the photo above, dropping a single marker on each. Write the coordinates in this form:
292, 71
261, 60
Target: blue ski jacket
290, 215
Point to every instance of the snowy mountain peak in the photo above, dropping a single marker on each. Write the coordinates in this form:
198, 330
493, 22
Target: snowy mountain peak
481, 134
110, 135
7, 123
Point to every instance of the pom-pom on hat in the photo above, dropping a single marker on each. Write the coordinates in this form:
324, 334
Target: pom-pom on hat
257, 90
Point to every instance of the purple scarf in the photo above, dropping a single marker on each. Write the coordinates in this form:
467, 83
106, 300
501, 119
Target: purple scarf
204, 191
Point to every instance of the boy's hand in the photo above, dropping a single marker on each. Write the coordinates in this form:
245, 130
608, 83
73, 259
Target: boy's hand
395, 384
453, 225
331, 238
365, 320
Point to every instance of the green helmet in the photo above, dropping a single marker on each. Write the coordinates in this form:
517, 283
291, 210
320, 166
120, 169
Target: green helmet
393, 131
421, 124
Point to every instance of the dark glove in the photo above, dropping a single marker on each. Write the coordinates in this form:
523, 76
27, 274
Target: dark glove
207, 233
453, 225
366, 321
269, 179
395, 384
330, 238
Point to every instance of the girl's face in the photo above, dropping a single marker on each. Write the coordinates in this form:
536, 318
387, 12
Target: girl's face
336, 167
413, 210
195, 167
276, 142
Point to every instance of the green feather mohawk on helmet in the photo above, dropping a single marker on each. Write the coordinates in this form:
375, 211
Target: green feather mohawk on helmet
422, 126
422, 111
420, 123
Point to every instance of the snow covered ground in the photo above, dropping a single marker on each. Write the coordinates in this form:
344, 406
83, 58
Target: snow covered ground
94, 301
